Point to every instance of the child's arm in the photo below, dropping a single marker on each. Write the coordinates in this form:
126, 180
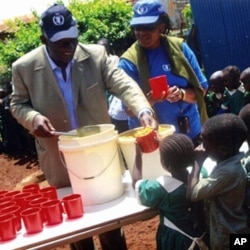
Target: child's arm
193, 178
200, 154
137, 169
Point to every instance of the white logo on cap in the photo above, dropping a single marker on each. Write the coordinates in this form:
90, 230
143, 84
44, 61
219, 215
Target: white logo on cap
142, 9
58, 20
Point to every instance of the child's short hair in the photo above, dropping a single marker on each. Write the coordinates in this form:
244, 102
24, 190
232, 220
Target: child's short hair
216, 76
245, 116
105, 42
227, 130
216, 81
234, 74
245, 75
177, 150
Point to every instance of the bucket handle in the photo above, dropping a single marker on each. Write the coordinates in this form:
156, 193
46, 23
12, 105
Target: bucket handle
90, 177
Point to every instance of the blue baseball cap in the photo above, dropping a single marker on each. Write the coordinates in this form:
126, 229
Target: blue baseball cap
146, 12
58, 23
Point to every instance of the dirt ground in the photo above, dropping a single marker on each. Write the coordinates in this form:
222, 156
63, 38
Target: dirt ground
17, 172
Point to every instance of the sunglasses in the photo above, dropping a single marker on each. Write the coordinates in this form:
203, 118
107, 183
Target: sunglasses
148, 27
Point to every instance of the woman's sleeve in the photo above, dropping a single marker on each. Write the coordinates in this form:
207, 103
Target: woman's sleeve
191, 58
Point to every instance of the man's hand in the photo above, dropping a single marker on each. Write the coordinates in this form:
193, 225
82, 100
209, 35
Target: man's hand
42, 126
147, 120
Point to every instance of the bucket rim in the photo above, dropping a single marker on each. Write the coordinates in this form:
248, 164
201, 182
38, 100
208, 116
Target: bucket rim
86, 145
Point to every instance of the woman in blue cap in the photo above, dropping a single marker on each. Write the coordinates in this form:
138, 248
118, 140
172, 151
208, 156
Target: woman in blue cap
156, 53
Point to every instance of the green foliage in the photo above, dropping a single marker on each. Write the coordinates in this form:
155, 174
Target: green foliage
109, 19
96, 19
187, 15
23, 38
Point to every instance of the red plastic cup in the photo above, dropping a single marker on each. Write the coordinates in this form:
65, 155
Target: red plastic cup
11, 194
49, 192
32, 220
7, 227
158, 85
31, 188
7, 204
15, 210
53, 211
20, 199
32, 197
37, 203
73, 206
2, 192
146, 140
4, 199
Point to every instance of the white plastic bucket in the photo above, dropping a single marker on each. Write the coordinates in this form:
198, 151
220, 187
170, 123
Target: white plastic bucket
151, 161
105, 131
94, 167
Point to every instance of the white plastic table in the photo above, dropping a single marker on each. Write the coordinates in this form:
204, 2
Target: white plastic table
97, 219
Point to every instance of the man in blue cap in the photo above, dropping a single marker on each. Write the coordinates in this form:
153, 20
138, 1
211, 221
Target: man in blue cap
61, 86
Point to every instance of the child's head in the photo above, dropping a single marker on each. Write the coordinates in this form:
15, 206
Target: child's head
223, 136
231, 77
2, 93
245, 116
245, 78
177, 152
216, 82
105, 42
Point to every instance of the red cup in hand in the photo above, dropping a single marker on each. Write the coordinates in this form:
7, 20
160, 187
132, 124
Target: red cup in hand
158, 85
146, 138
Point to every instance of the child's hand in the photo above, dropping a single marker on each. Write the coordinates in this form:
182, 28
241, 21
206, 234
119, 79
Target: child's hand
138, 150
157, 136
200, 154
137, 169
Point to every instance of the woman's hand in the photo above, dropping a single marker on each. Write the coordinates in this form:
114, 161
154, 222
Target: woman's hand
147, 120
153, 101
175, 94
